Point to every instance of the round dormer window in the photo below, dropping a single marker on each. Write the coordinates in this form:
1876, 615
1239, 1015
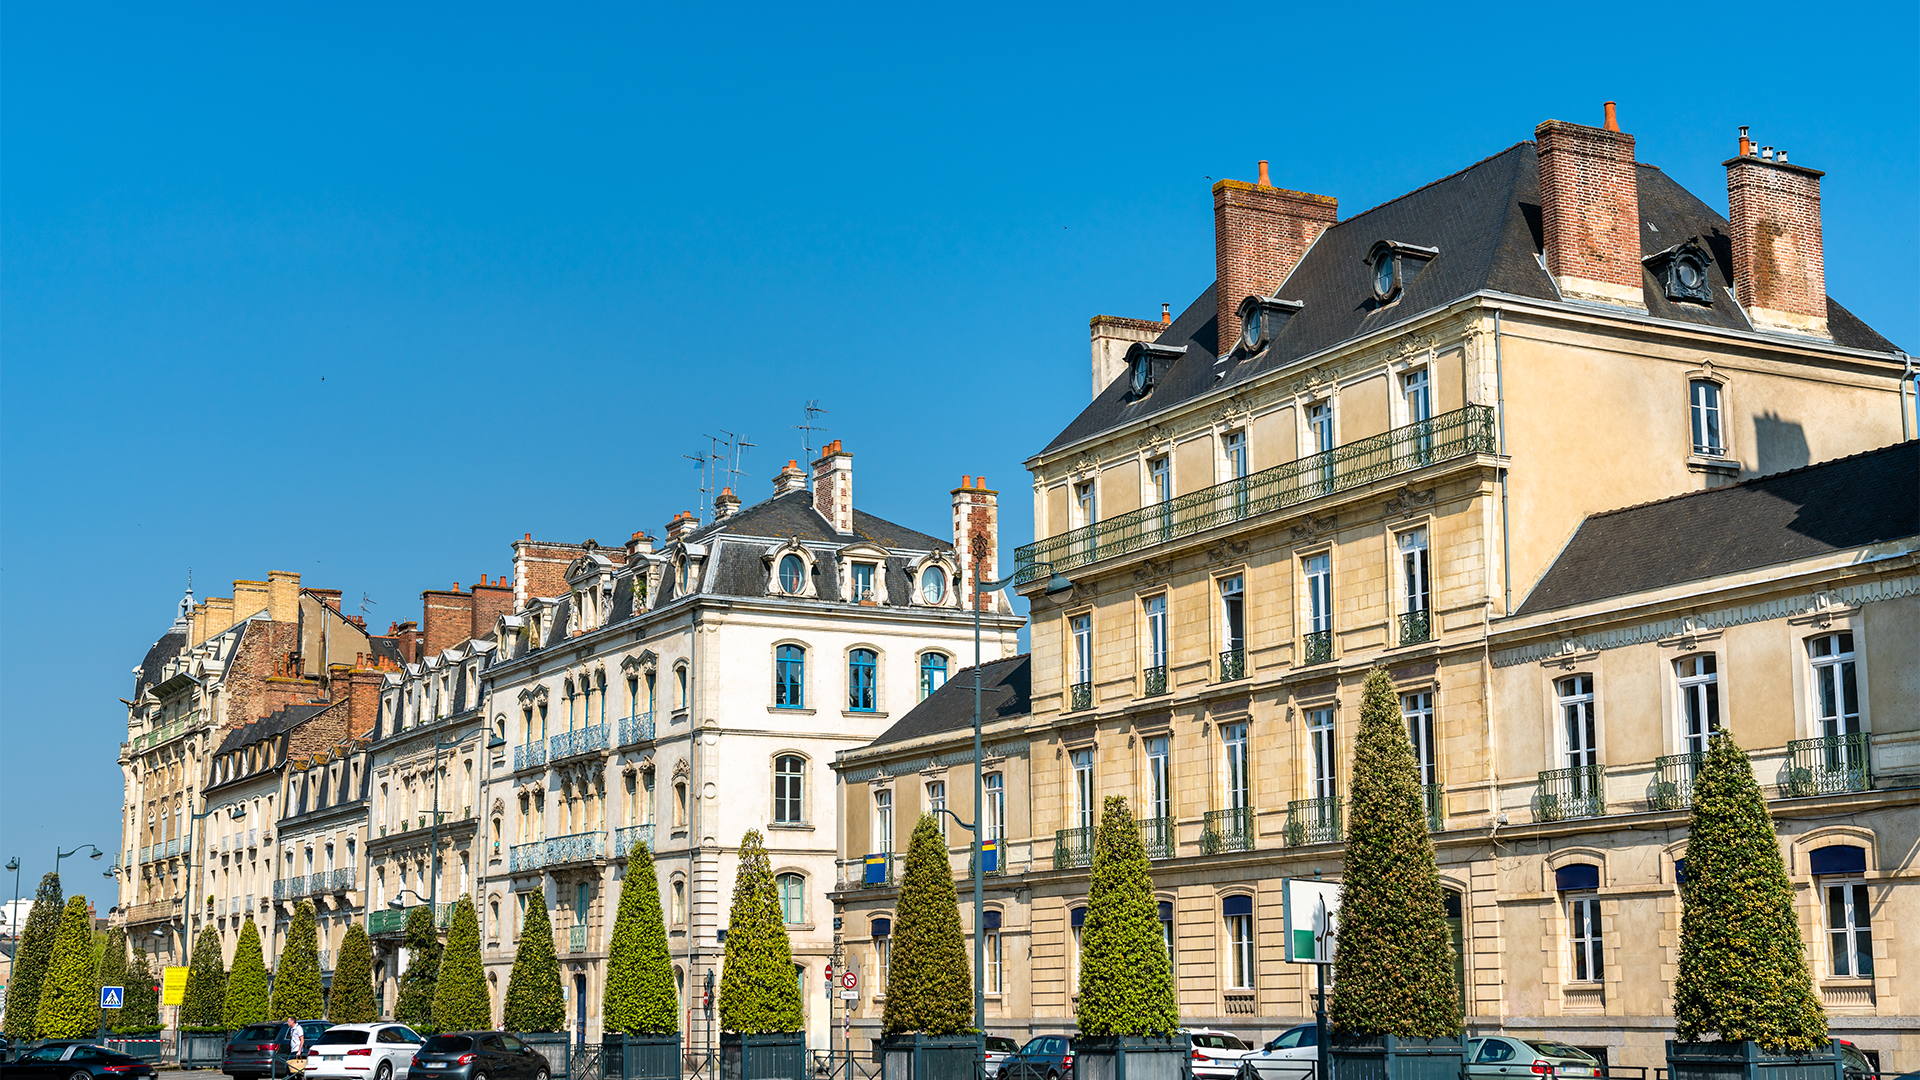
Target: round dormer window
793, 574
933, 584
1141, 376
1691, 273
1250, 330
1385, 276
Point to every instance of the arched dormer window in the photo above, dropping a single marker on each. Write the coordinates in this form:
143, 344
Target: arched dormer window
791, 570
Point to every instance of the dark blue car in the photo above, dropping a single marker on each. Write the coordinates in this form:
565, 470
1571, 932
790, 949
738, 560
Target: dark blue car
76, 1061
1045, 1057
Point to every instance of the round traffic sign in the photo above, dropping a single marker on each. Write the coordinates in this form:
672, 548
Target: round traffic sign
849, 980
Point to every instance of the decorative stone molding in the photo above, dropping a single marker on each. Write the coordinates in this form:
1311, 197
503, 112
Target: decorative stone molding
1311, 527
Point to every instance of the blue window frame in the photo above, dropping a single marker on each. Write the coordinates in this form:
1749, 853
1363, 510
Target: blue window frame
862, 665
790, 677
933, 673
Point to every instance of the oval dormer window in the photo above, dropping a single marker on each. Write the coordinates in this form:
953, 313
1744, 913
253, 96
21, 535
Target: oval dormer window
1689, 272
1250, 330
933, 584
1385, 274
1141, 377
793, 574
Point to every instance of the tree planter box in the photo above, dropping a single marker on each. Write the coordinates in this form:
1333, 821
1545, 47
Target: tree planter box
202, 1048
556, 1047
931, 1057
144, 1047
779, 1055
1131, 1057
1747, 1061
642, 1057
1389, 1057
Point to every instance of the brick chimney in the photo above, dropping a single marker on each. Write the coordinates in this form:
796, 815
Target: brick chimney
407, 638
1112, 336
540, 568
490, 601
833, 487
1779, 255
726, 504
791, 479
641, 544
682, 525
446, 616
976, 531
1260, 233
1590, 211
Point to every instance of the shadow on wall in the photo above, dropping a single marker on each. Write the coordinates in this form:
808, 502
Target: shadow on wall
1778, 444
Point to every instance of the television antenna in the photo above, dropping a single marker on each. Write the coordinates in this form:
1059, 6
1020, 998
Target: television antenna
814, 412
366, 602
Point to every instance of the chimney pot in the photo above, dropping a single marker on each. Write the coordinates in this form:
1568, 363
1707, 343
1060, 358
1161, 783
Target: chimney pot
1613, 118
1166, 314
1781, 157
1746, 144
1264, 182
1766, 153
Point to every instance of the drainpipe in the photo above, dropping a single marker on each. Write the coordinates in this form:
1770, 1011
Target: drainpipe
1500, 416
1906, 380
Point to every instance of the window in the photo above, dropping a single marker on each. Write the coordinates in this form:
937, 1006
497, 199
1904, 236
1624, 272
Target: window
933, 673
1086, 503
1414, 389
1850, 929
1413, 571
996, 793
679, 903
680, 804
1081, 627
933, 584
646, 799
1155, 609
1317, 645
680, 686
790, 677
992, 931
1583, 936
1159, 779
793, 574
1233, 447
1418, 710
793, 899
1166, 928
1704, 396
1233, 627
1078, 919
883, 820
1237, 912
1083, 788
1233, 741
1699, 701
882, 951
1160, 475
937, 804
1320, 425
863, 583
1320, 736
1836, 698
1578, 734
789, 776
862, 665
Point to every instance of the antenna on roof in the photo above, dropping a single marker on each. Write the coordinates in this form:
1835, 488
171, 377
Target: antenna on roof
813, 411
737, 447
365, 603
701, 462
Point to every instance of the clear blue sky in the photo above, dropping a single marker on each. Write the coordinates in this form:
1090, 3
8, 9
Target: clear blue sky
366, 293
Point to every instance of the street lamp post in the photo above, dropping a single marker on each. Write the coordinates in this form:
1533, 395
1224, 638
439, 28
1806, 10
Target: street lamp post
13, 913
58, 855
433, 837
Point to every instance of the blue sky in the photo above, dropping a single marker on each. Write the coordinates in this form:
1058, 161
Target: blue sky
367, 292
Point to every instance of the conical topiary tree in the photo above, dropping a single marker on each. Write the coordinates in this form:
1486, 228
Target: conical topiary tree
69, 1001
423, 967
1393, 964
533, 989
1126, 978
296, 981
640, 995
113, 972
204, 1002
758, 993
246, 1001
352, 998
929, 988
460, 992
1743, 970
35, 949
141, 1014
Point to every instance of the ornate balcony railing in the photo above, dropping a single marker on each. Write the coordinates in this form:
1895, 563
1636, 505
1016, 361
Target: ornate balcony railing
173, 847
1313, 821
1572, 793
1415, 627
1827, 766
1445, 437
1072, 847
1672, 784
584, 740
166, 732
1081, 697
628, 840
341, 880
576, 939
1153, 681
579, 847
1156, 835
146, 853
286, 888
1316, 647
523, 858
1233, 665
1227, 830
636, 729
532, 755
1432, 796
325, 956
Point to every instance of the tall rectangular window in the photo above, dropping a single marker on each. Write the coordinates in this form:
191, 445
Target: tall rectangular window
937, 804
1414, 387
1413, 571
1320, 737
1233, 447
1418, 710
1705, 407
1583, 936
1160, 475
1086, 502
1850, 929
1159, 779
1237, 912
1081, 627
1233, 614
790, 677
1579, 735
1319, 594
863, 582
882, 821
1699, 700
863, 674
1836, 697
933, 673
1233, 740
993, 961
1155, 610
789, 776
1085, 798
1320, 425
996, 795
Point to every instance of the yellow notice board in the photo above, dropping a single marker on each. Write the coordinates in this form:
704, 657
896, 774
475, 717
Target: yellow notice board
173, 986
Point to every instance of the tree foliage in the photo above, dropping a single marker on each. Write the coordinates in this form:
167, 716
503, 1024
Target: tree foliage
296, 981
640, 996
460, 992
1393, 969
1743, 969
69, 999
246, 1001
113, 972
758, 992
352, 998
1126, 977
204, 1002
34, 950
141, 1013
533, 989
423, 968
929, 988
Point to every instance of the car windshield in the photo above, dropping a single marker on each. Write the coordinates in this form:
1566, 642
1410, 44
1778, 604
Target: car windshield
1001, 1046
1561, 1050
258, 1033
340, 1036
447, 1044
1035, 1045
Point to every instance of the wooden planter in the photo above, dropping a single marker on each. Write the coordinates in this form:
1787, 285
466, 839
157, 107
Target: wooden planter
778, 1055
1131, 1057
931, 1057
1747, 1061
642, 1056
1390, 1057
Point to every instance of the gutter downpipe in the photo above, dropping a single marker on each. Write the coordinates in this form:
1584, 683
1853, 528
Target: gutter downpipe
1906, 380
1500, 415
694, 795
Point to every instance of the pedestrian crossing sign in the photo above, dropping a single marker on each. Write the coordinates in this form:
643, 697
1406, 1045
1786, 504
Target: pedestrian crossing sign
111, 997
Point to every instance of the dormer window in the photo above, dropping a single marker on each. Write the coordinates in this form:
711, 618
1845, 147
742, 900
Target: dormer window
1682, 272
793, 574
1146, 360
933, 584
1261, 319
863, 582
1395, 265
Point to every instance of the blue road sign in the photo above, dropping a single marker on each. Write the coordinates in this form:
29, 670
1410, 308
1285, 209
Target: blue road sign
112, 996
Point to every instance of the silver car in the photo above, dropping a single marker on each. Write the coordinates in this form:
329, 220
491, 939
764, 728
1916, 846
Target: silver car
1294, 1054
1496, 1056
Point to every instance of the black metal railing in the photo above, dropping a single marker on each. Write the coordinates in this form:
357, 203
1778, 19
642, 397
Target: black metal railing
1402, 449
1156, 835
1227, 830
1415, 627
1672, 784
1081, 695
1434, 798
1153, 681
1233, 665
1316, 647
1313, 821
1572, 793
1827, 766
1072, 847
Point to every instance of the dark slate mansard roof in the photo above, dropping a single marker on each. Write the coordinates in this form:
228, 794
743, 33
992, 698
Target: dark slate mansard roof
1850, 502
736, 544
280, 722
1005, 690
1485, 221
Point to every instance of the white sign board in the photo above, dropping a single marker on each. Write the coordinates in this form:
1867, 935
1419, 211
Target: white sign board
850, 995
1311, 910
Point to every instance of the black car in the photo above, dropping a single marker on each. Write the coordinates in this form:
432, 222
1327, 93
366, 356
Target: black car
1045, 1057
477, 1055
76, 1061
261, 1050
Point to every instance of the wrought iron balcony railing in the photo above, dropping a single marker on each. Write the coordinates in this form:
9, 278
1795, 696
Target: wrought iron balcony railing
532, 755
522, 858
1153, 681
1313, 821
325, 957
1316, 647
586, 740
1072, 847
1827, 766
1233, 665
1672, 784
1450, 435
579, 847
1433, 795
635, 729
1415, 627
1572, 793
628, 840
341, 880
1227, 830
1082, 697
576, 939
1156, 835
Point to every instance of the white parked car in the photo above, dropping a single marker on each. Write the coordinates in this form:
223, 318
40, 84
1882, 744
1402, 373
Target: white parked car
1291, 1055
1216, 1054
363, 1052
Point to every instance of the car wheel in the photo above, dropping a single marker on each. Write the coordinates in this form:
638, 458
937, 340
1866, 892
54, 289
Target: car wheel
479, 1076
81, 1074
541, 1075
386, 1071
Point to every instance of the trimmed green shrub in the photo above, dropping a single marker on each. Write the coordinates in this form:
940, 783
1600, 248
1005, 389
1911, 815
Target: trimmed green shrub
30, 960
141, 1014
533, 989
1393, 971
69, 1000
113, 972
206, 994
1743, 969
246, 1001
929, 988
352, 999
415, 1006
640, 997
758, 993
460, 993
296, 981
1126, 977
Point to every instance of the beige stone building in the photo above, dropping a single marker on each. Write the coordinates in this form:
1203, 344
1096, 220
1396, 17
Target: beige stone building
1369, 442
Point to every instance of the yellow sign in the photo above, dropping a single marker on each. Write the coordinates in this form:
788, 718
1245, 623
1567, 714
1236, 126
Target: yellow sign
173, 986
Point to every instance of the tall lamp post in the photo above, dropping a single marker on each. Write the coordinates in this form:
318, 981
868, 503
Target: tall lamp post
58, 855
13, 913
433, 838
